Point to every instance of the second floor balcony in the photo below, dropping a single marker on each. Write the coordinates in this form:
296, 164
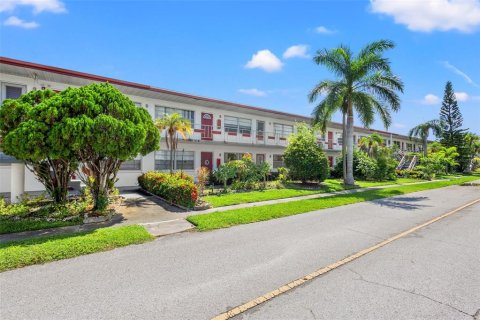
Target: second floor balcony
207, 133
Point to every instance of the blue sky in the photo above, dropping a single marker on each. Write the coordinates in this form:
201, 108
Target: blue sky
237, 51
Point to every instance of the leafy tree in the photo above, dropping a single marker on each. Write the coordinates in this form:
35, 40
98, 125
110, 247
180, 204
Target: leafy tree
304, 158
371, 144
422, 130
33, 137
445, 157
102, 128
174, 126
364, 84
472, 148
224, 173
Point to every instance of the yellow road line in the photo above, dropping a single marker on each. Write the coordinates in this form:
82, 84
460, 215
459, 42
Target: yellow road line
291, 285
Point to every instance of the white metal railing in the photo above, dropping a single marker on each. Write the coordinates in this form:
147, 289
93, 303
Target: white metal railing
248, 136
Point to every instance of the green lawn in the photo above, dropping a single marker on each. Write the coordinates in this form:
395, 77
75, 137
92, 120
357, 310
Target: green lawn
229, 199
367, 184
216, 220
11, 226
329, 185
40, 250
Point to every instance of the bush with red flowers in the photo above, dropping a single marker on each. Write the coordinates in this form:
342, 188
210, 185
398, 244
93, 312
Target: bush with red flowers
177, 188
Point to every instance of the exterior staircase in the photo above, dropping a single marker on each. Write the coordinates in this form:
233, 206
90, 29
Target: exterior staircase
407, 162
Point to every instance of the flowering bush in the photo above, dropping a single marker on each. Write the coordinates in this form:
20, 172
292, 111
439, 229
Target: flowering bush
177, 188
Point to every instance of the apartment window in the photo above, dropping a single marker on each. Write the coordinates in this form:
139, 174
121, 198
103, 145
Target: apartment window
278, 161
134, 164
409, 147
339, 138
12, 91
259, 158
183, 160
397, 143
282, 130
231, 156
186, 114
237, 125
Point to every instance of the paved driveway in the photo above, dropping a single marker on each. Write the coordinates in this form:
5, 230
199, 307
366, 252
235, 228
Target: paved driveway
198, 275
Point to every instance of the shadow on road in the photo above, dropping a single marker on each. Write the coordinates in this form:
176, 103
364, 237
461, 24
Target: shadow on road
406, 203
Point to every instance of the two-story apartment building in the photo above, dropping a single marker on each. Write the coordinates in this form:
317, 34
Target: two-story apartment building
223, 130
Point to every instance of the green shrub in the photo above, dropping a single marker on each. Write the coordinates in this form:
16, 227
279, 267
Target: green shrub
245, 173
177, 188
304, 158
367, 168
385, 168
414, 173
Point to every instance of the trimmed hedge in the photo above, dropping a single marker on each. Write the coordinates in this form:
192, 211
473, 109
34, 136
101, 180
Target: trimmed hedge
177, 188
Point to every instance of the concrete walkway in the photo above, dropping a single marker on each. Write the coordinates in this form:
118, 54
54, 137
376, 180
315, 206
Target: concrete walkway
158, 217
310, 196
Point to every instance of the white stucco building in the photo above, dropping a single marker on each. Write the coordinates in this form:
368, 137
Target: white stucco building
223, 130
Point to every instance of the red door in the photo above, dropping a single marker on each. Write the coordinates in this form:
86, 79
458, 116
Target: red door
330, 140
207, 126
207, 160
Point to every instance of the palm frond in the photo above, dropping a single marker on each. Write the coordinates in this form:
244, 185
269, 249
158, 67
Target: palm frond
376, 47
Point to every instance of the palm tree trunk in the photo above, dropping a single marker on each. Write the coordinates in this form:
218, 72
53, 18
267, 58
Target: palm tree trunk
425, 146
171, 154
344, 146
348, 178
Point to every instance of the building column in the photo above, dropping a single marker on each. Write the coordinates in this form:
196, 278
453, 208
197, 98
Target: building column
17, 181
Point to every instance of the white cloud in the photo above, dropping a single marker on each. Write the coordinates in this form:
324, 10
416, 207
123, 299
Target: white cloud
253, 92
430, 15
461, 96
460, 73
430, 99
16, 22
324, 30
55, 6
266, 60
297, 51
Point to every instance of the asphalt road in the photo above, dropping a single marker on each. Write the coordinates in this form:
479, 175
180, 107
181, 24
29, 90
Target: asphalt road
431, 274
199, 275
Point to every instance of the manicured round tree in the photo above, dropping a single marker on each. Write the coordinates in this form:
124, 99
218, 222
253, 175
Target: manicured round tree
33, 139
304, 158
103, 128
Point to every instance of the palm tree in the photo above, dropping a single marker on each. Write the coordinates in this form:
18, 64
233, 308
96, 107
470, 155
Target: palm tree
371, 144
174, 126
364, 83
422, 131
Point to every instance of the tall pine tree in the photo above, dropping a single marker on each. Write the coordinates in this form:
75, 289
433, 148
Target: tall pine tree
452, 120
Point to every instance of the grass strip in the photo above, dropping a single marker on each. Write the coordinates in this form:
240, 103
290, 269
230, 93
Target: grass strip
18, 254
225, 219
329, 185
9, 226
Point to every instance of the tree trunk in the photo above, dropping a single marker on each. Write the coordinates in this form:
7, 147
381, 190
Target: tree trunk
344, 146
348, 178
425, 145
171, 156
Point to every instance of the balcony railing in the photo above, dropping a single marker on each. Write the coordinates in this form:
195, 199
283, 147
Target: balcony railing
246, 136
